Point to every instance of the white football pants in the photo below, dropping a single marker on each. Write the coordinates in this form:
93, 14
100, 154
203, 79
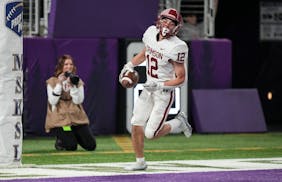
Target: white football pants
152, 108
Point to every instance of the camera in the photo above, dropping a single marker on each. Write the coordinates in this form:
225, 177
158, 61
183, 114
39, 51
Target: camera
73, 78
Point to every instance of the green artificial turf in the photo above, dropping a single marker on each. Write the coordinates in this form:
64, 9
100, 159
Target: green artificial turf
171, 147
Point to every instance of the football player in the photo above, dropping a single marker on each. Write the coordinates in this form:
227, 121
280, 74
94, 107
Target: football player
165, 55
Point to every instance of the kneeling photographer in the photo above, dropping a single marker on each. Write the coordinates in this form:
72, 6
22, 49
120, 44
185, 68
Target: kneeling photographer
66, 117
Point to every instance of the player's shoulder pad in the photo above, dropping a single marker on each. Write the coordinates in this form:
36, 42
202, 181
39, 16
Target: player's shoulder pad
181, 47
151, 30
179, 51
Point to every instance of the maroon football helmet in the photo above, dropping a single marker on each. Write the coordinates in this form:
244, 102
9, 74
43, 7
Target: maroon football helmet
169, 22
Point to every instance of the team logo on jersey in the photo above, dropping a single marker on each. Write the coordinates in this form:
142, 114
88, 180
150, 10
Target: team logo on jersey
14, 17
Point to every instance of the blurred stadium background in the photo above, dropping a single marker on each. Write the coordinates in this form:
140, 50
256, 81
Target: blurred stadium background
239, 58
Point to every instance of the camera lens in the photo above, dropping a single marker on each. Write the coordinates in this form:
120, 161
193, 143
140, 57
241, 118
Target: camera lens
74, 79
67, 74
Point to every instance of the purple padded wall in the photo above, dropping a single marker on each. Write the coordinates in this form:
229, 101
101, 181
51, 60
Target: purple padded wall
227, 110
101, 18
210, 64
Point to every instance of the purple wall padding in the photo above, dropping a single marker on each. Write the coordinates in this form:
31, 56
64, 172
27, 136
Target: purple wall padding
227, 110
97, 63
210, 64
97, 19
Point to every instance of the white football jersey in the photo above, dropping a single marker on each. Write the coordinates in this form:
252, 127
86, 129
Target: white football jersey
158, 54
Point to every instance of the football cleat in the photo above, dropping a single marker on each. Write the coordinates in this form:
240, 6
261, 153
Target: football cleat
184, 126
136, 166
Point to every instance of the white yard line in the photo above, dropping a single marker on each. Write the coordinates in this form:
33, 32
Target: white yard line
107, 169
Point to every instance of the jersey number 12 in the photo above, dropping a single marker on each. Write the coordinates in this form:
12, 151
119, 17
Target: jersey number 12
152, 66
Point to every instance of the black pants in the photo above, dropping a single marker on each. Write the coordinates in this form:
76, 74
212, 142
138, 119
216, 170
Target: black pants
80, 134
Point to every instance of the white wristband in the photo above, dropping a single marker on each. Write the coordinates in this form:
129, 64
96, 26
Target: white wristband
130, 64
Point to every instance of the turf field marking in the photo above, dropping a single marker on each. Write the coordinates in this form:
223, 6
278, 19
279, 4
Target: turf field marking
124, 143
250, 148
205, 150
127, 150
154, 167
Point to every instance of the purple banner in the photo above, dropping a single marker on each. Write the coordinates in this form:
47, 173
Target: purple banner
210, 64
97, 19
97, 64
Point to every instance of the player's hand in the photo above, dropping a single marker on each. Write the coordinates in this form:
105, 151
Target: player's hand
153, 86
127, 67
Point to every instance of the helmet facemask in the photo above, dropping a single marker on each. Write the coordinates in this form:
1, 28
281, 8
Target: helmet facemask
169, 22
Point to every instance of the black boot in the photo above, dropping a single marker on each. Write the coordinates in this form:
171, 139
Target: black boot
58, 145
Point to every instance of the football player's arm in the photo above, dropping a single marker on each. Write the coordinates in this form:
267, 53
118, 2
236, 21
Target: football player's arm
180, 74
136, 60
179, 69
177, 59
139, 58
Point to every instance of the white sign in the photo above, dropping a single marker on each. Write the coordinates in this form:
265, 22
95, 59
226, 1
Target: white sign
271, 21
11, 82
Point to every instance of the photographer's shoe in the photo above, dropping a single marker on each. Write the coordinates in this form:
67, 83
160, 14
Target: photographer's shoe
58, 145
136, 166
184, 126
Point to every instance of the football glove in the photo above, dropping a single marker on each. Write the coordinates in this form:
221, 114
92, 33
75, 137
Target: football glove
152, 86
127, 67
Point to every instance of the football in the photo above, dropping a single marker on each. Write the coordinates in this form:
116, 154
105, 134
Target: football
130, 79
